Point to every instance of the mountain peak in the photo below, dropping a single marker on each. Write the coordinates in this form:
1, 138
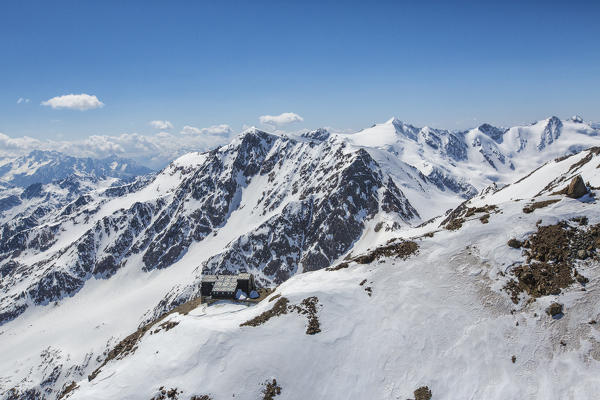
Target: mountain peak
252, 129
551, 132
493, 132
577, 119
320, 134
403, 128
554, 120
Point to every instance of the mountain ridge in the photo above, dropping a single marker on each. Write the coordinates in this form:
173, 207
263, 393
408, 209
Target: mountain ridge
124, 252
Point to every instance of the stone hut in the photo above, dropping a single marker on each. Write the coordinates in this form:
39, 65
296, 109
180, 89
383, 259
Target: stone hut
225, 286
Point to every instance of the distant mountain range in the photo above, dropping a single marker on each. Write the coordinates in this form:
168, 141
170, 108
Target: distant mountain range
47, 166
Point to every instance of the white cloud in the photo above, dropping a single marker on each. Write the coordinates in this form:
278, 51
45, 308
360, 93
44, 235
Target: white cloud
190, 130
80, 102
281, 119
10, 145
162, 125
164, 135
222, 129
22, 100
154, 151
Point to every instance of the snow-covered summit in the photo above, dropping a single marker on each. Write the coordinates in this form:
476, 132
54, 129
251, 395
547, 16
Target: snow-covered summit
480, 155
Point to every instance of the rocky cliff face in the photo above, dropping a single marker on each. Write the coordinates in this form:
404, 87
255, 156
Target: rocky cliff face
317, 196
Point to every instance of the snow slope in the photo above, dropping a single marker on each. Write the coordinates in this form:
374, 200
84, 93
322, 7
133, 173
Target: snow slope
91, 268
439, 318
145, 244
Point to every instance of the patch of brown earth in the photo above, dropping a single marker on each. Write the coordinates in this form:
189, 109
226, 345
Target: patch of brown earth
308, 307
423, 393
455, 224
274, 297
582, 220
551, 254
584, 160
341, 265
539, 279
477, 210
164, 394
168, 325
459, 215
562, 158
576, 188
271, 390
402, 249
528, 209
279, 308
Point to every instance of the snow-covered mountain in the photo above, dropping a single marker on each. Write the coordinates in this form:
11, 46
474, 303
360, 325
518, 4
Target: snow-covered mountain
104, 257
47, 166
308, 200
441, 320
467, 161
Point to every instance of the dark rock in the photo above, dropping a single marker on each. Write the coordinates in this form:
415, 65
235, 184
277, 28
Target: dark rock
514, 243
9, 202
31, 191
576, 188
555, 310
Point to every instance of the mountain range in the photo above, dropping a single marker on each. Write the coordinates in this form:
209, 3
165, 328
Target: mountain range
95, 251
40, 166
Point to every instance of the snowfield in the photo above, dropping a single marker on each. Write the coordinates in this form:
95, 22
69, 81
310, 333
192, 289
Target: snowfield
437, 319
91, 260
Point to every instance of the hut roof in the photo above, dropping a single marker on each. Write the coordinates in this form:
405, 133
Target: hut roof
225, 283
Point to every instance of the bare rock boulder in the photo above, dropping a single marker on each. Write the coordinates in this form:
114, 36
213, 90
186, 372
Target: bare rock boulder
576, 188
555, 310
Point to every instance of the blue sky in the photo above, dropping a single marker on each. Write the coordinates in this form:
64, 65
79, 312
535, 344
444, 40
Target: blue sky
341, 64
